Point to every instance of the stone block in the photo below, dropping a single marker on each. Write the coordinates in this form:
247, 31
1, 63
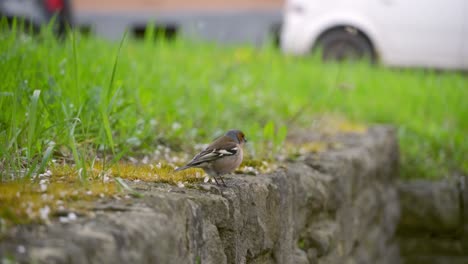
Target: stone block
428, 206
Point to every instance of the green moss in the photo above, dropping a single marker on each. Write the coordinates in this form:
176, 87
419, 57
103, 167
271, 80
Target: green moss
334, 124
64, 189
163, 173
22, 201
301, 243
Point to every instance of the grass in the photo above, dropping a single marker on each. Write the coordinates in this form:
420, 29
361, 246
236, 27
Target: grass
81, 98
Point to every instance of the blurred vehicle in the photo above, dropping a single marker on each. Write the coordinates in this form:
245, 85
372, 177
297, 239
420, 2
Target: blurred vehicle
38, 12
227, 21
426, 33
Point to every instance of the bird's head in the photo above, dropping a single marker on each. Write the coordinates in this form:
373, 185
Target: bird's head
237, 136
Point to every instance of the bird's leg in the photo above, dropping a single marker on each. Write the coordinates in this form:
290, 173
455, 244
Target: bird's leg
223, 181
217, 183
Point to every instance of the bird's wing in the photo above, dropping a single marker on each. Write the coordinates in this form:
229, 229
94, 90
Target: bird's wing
213, 153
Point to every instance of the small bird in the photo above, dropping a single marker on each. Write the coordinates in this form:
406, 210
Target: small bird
222, 156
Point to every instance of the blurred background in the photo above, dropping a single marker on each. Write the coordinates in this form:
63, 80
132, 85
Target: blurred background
397, 33
223, 21
89, 105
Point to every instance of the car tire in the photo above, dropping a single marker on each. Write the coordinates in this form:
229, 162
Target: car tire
345, 44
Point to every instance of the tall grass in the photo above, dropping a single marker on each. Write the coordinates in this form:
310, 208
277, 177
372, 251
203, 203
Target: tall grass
84, 96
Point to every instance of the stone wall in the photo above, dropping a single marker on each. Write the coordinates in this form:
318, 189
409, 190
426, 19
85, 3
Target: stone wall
339, 206
434, 222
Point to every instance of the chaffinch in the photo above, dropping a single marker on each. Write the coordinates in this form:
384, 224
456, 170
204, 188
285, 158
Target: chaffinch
222, 156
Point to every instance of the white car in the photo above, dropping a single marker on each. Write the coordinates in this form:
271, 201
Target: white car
423, 33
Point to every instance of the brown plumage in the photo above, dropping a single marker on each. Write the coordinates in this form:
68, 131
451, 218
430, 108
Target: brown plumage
222, 156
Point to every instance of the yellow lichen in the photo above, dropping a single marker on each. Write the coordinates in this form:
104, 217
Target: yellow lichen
334, 124
349, 127
253, 166
65, 187
22, 201
153, 173
313, 147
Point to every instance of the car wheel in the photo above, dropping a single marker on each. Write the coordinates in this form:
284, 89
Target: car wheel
345, 44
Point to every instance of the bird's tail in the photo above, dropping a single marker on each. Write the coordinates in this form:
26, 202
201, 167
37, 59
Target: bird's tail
182, 168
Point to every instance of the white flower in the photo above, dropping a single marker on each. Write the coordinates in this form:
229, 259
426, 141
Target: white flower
43, 187
134, 141
66, 219
105, 178
44, 212
21, 249
176, 126
44, 197
72, 216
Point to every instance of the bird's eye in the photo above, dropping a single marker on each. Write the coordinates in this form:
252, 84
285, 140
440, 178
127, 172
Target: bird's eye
243, 137
240, 136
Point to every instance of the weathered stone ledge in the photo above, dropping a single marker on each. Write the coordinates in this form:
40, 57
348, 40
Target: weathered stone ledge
339, 206
434, 221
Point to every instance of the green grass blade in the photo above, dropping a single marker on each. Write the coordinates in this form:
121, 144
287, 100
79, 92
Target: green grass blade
114, 70
32, 121
46, 157
80, 163
105, 103
126, 187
